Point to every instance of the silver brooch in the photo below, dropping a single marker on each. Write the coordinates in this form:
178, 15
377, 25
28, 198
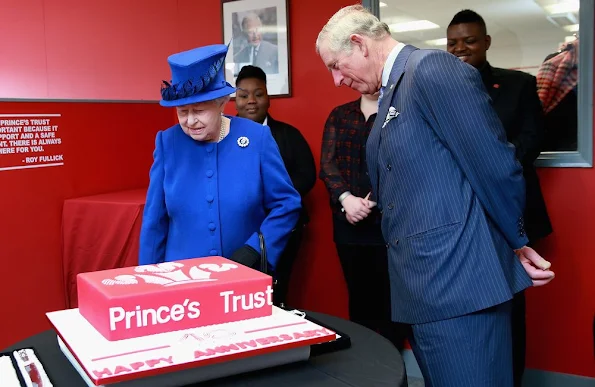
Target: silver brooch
392, 113
243, 141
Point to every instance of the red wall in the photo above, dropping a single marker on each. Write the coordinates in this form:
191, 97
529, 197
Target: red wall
560, 315
87, 49
108, 147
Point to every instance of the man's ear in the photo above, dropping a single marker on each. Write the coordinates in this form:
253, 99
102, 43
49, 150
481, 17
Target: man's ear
488, 42
358, 40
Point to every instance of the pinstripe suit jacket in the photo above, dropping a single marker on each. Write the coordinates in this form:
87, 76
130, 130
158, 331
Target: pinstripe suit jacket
451, 192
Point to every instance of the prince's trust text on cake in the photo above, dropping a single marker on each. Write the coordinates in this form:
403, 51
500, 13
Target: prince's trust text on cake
231, 302
151, 299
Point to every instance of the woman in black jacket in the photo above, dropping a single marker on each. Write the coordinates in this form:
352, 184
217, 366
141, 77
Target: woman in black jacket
252, 102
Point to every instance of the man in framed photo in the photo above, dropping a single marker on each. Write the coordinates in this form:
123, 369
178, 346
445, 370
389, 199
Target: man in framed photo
258, 52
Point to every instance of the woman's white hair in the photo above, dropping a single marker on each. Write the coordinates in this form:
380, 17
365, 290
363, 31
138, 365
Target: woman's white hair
222, 100
217, 101
354, 19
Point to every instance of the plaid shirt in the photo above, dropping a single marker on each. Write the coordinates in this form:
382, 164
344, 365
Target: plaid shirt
558, 76
343, 157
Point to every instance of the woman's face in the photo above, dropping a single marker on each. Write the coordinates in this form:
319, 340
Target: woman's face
252, 100
201, 121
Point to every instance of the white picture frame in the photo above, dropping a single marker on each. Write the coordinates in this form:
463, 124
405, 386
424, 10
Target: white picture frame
257, 32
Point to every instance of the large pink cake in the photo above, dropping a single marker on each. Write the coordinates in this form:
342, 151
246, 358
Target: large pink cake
144, 300
199, 319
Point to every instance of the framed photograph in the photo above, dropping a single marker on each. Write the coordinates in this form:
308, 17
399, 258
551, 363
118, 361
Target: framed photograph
258, 34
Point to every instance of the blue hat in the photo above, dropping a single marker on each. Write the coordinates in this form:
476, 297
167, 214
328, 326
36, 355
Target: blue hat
198, 75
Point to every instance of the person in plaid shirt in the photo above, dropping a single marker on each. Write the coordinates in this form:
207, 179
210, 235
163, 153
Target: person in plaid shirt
356, 221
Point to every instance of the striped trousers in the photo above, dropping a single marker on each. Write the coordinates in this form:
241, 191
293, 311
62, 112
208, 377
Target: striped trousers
474, 350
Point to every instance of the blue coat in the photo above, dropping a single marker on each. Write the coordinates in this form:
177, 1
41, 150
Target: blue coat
209, 199
450, 189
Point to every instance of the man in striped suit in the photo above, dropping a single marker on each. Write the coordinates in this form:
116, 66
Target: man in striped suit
452, 196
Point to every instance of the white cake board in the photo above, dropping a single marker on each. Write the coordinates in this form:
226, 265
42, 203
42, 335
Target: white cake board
201, 353
202, 374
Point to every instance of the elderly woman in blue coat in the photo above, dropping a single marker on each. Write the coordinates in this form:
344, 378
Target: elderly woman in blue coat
216, 181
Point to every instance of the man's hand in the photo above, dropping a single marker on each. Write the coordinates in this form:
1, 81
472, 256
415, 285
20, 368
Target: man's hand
536, 267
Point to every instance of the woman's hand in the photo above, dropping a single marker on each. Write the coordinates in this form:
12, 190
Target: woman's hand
246, 256
356, 208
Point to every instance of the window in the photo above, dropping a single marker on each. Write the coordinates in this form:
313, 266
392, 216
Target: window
524, 33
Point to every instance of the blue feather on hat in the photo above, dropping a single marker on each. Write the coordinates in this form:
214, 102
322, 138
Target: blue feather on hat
199, 74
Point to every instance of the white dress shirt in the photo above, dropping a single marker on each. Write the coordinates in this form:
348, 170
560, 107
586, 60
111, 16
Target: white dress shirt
390, 61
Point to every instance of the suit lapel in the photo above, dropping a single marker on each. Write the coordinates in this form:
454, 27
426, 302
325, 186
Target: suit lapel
493, 83
494, 91
393, 83
272, 124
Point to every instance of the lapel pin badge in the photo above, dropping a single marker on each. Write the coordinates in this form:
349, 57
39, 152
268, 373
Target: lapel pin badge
392, 113
243, 141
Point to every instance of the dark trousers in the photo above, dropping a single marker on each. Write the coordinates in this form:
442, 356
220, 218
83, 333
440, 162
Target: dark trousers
467, 351
285, 266
519, 337
365, 268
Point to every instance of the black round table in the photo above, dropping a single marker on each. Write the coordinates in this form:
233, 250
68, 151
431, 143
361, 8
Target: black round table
371, 361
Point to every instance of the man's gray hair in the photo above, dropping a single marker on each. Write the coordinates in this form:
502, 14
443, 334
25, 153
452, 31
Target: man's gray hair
354, 19
250, 16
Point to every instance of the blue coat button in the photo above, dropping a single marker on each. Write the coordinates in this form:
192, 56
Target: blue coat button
213, 252
209, 173
210, 198
212, 226
210, 148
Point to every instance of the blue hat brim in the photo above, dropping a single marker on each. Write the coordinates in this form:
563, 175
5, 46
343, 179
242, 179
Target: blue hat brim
202, 97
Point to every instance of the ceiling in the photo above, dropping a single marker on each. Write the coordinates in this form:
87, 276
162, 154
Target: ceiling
521, 33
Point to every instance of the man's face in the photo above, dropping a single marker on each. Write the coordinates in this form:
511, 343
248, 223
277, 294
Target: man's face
252, 30
468, 42
353, 69
252, 99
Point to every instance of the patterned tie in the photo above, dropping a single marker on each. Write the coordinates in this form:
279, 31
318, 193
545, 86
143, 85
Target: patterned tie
254, 54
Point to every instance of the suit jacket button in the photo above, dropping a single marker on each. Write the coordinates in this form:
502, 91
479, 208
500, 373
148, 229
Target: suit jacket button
390, 206
396, 241
389, 167
387, 245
